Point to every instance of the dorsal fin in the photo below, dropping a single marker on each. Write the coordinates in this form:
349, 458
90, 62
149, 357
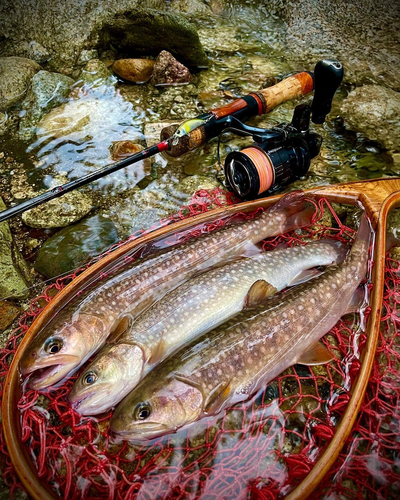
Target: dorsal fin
122, 327
316, 354
258, 292
217, 396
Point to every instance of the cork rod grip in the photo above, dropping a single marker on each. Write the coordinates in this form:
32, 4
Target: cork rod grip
286, 90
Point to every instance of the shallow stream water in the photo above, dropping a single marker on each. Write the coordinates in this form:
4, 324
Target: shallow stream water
247, 53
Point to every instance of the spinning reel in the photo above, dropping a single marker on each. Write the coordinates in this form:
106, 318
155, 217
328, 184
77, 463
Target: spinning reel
282, 154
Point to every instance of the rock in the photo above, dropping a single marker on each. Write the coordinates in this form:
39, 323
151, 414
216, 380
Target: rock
134, 70
16, 74
364, 35
38, 53
97, 73
148, 32
8, 312
60, 212
193, 183
168, 71
76, 245
3, 123
86, 55
14, 272
374, 112
47, 91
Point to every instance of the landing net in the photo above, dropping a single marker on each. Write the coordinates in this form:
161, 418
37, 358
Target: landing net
259, 449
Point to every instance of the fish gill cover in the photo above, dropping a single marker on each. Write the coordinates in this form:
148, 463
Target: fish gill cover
261, 448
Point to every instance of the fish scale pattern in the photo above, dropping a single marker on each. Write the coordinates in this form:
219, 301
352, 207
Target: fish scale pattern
262, 448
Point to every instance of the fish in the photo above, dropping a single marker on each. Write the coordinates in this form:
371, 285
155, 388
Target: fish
82, 326
234, 361
197, 306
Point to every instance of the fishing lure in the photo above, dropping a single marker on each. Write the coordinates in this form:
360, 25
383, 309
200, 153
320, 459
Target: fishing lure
186, 127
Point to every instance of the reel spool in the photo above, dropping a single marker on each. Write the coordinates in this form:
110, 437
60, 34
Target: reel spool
282, 154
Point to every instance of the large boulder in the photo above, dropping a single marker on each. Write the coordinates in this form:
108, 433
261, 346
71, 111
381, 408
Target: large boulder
64, 28
14, 272
47, 91
374, 111
16, 74
148, 32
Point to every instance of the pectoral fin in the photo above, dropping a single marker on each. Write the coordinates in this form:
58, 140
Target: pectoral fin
217, 397
122, 327
258, 292
158, 353
317, 354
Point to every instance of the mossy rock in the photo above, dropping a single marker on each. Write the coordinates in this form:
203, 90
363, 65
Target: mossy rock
148, 32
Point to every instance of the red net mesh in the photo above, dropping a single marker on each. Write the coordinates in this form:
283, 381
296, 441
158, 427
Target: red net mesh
262, 448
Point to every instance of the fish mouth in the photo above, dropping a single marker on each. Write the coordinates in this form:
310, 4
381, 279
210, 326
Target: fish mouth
89, 404
49, 371
143, 432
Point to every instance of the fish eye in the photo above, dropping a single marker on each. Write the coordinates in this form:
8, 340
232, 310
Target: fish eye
53, 346
142, 411
90, 378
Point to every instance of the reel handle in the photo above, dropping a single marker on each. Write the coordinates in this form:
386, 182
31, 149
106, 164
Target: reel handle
328, 75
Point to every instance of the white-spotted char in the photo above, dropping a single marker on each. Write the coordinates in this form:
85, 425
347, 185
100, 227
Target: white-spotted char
83, 325
235, 360
197, 306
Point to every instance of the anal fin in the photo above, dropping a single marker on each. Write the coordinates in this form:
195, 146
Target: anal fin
258, 292
316, 354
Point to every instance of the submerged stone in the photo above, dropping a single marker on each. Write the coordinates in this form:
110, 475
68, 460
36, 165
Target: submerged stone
38, 53
60, 212
8, 312
374, 111
47, 91
16, 74
168, 71
96, 73
149, 31
14, 272
76, 245
134, 70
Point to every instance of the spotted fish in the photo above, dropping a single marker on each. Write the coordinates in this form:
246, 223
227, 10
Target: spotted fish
83, 325
197, 306
232, 362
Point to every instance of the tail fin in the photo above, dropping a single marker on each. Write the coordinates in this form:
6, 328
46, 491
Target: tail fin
339, 248
299, 219
290, 203
364, 235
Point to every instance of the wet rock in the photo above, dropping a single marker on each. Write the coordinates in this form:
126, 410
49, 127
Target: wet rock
38, 53
193, 183
374, 112
168, 71
96, 73
148, 32
3, 123
87, 55
134, 70
47, 91
60, 212
8, 312
14, 272
76, 245
16, 74
123, 149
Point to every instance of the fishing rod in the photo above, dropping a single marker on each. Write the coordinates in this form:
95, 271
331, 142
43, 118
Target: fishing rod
193, 133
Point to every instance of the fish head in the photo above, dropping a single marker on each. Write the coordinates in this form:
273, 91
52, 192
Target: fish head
59, 349
107, 379
155, 409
